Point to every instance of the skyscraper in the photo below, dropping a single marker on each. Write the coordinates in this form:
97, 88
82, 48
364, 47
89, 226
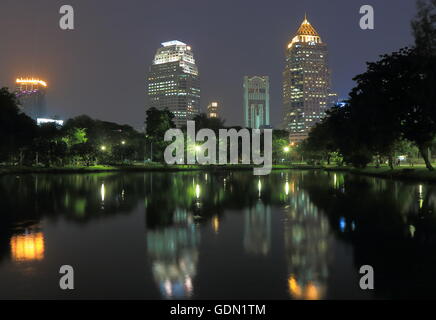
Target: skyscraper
256, 101
31, 95
306, 82
212, 110
173, 81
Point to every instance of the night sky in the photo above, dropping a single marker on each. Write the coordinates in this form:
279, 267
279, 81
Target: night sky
100, 68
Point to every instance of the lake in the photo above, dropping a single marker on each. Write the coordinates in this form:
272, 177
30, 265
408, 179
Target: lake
216, 235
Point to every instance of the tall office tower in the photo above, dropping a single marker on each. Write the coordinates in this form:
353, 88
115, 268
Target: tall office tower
306, 82
256, 101
173, 82
31, 95
212, 110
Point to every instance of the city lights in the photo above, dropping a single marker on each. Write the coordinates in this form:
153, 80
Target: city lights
31, 81
27, 247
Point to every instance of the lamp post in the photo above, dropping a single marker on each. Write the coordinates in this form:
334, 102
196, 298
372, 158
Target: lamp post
147, 137
123, 143
286, 150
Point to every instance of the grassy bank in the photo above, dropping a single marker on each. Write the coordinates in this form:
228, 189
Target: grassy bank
142, 168
416, 173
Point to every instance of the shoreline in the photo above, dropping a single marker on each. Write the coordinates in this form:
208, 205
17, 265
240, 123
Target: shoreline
417, 174
144, 168
412, 174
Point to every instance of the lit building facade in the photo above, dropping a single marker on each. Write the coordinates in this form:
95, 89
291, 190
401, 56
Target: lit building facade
31, 95
256, 101
173, 82
212, 110
306, 82
42, 121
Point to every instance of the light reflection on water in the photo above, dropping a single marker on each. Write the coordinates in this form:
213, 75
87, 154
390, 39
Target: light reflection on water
27, 247
188, 235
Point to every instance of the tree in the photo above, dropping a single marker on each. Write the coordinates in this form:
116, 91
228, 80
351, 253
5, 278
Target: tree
320, 143
202, 121
280, 141
157, 123
17, 130
49, 146
424, 27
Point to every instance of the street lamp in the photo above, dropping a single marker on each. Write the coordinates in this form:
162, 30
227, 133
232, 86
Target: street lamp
286, 149
123, 142
103, 148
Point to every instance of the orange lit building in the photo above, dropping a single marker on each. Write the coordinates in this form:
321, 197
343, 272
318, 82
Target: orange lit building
31, 95
306, 82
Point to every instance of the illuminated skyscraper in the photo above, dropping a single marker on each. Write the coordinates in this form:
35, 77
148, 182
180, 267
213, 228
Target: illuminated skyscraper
31, 95
306, 82
173, 82
256, 101
212, 110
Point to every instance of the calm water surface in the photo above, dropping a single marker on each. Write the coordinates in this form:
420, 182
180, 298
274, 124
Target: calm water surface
192, 235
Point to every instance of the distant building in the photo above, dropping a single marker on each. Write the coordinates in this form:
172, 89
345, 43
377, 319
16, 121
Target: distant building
306, 82
173, 82
41, 121
212, 110
31, 95
256, 101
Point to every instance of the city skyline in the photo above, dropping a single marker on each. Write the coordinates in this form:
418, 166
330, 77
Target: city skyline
76, 62
218, 151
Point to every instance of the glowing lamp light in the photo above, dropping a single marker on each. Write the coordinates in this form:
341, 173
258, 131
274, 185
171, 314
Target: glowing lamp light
286, 149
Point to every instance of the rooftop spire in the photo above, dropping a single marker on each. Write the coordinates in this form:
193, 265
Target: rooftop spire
306, 28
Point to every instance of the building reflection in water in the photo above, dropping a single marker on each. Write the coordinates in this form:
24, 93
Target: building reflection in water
307, 245
173, 251
257, 229
216, 224
27, 247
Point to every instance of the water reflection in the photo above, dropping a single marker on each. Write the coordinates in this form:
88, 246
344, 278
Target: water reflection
307, 245
257, 229
28, 246
173, 251
284, 228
